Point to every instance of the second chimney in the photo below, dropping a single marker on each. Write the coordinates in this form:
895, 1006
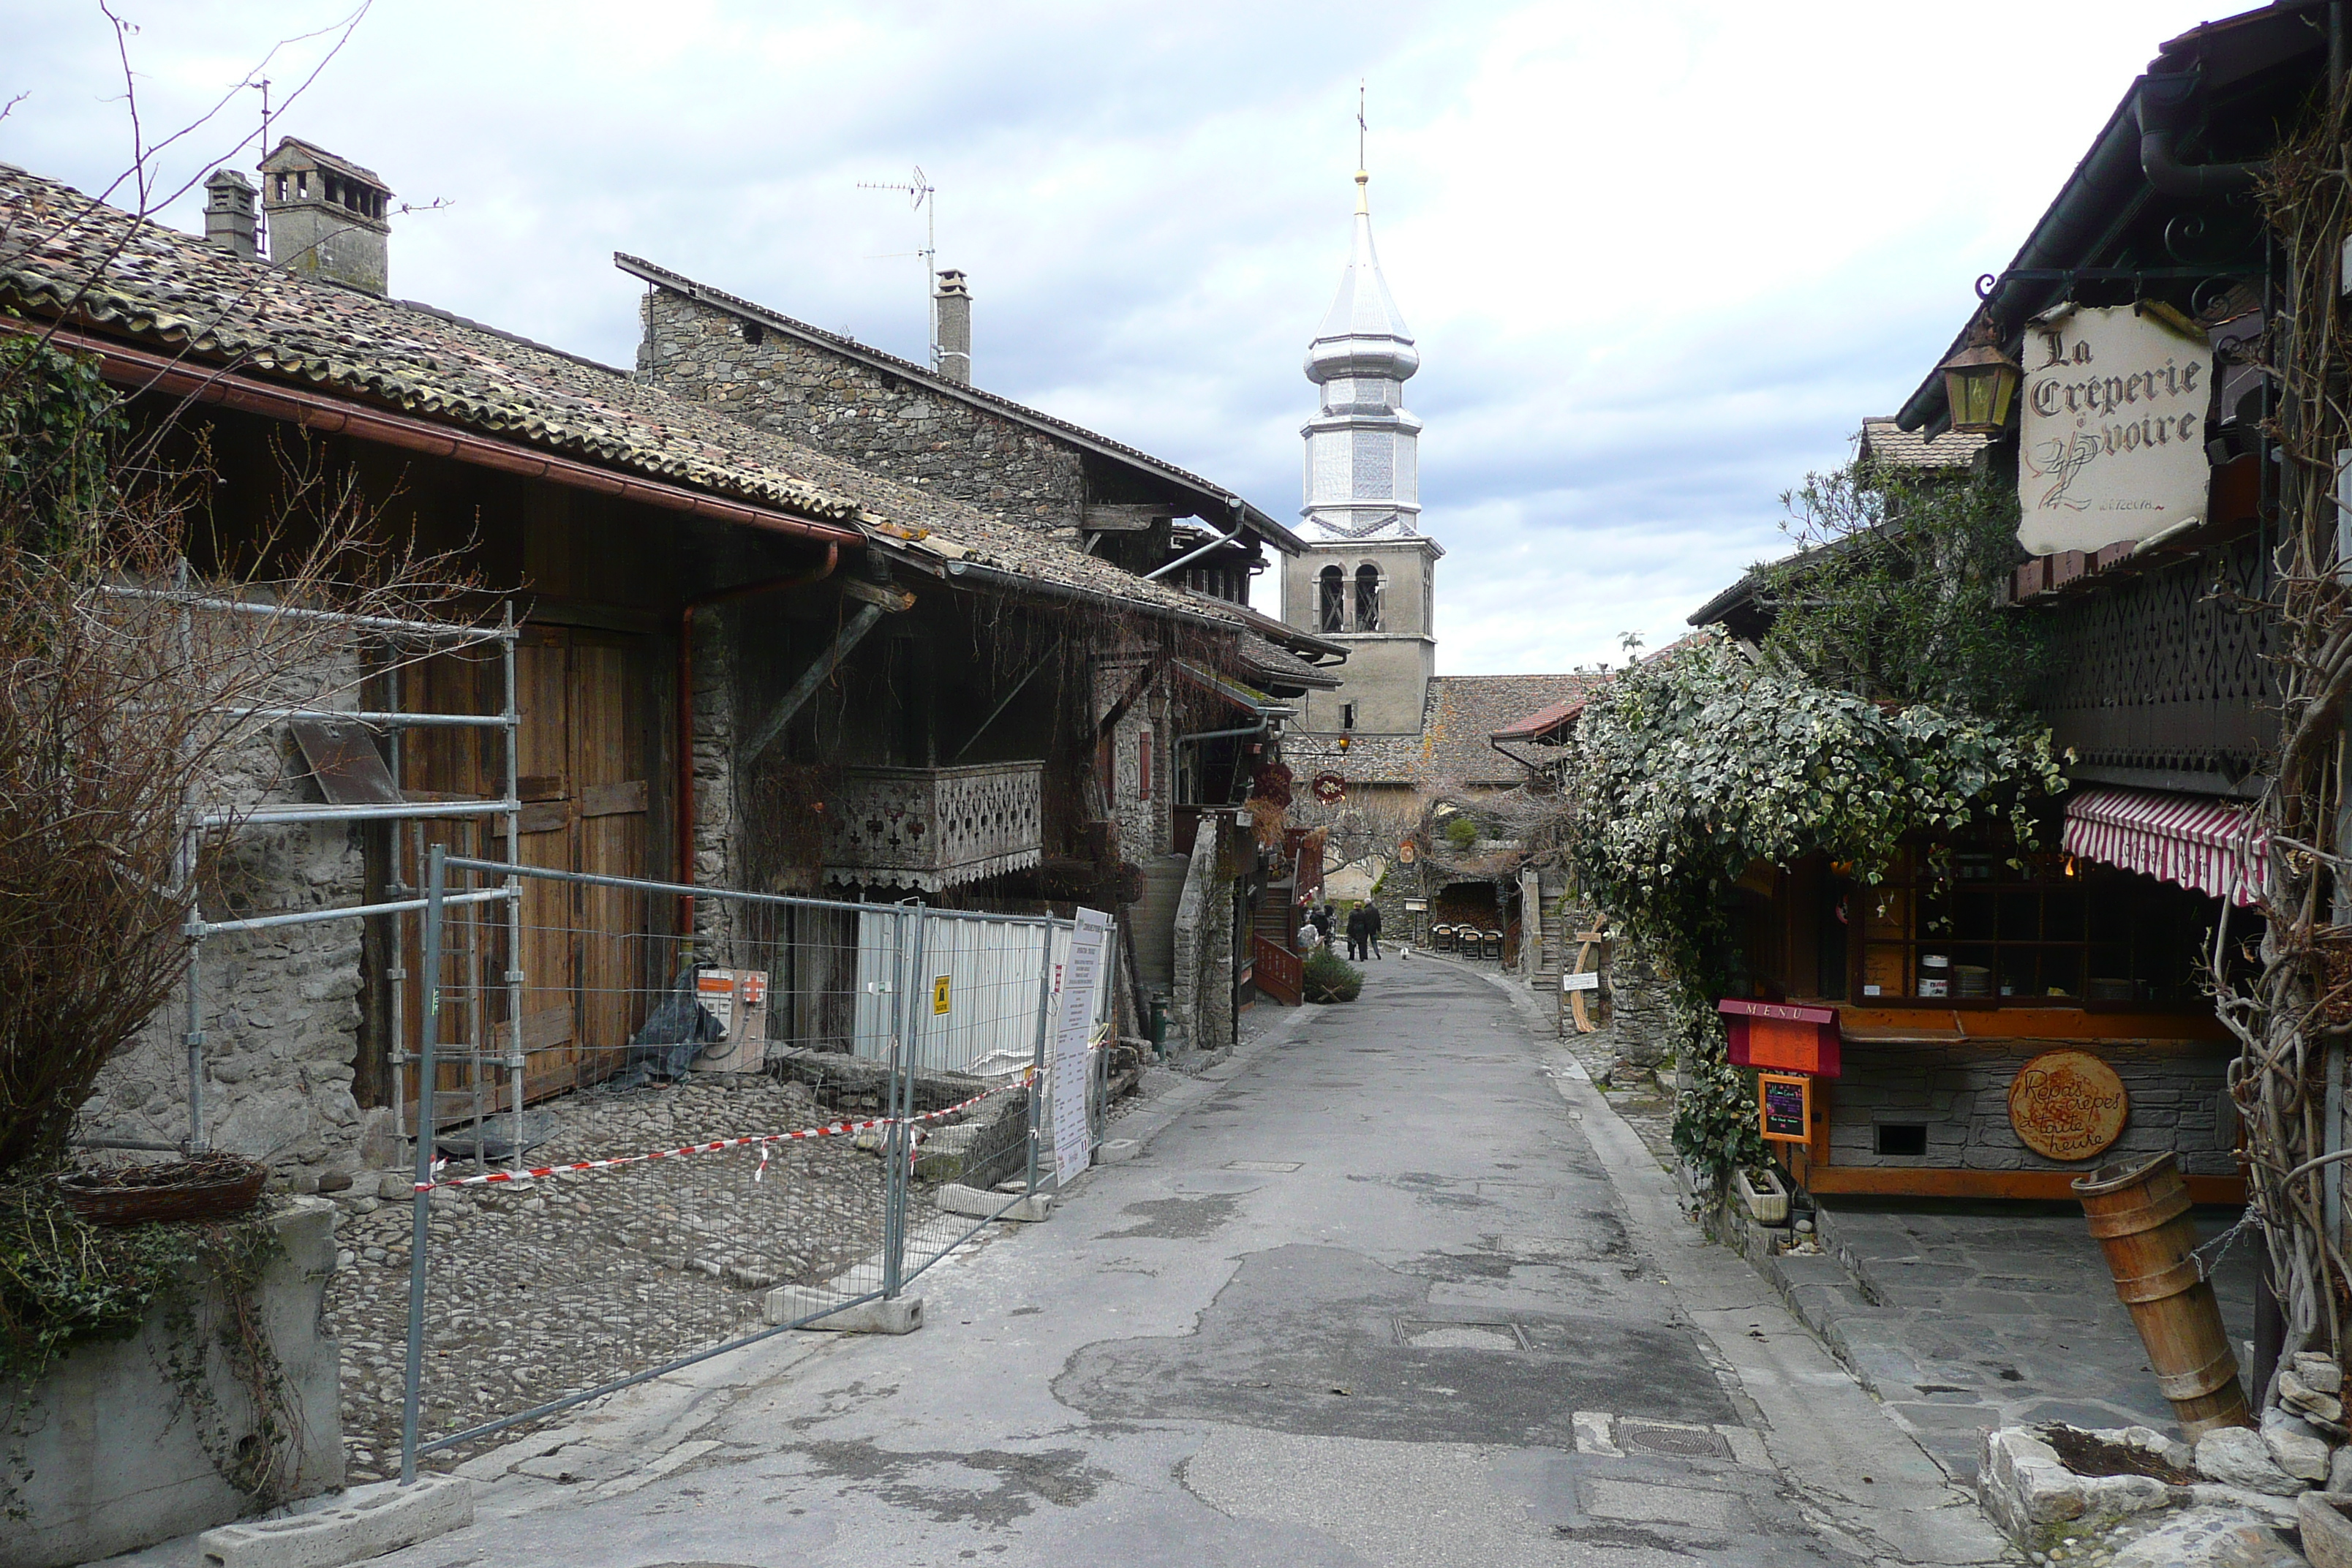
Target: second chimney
228, 213
326, 216
952, 305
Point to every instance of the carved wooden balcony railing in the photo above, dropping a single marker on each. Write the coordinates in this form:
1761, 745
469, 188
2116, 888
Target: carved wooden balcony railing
929, 828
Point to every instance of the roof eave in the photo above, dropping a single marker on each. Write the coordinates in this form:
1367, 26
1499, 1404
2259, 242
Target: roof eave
141, 370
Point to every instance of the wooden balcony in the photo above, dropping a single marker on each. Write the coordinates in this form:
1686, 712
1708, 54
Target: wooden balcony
929, 828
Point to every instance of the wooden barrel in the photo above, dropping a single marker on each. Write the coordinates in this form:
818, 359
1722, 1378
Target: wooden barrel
2139, 1210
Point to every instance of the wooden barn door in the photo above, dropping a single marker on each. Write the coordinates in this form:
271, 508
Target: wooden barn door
591, 957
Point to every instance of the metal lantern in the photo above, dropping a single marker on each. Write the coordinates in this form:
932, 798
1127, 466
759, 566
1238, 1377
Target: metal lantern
1979, 383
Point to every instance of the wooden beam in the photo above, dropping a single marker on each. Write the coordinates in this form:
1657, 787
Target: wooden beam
1919, 1182
1118, 709
1126, 518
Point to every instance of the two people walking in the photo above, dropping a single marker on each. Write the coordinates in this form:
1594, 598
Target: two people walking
1363, 928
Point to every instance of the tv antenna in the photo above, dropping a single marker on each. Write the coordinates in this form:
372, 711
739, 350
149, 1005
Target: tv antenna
922, 196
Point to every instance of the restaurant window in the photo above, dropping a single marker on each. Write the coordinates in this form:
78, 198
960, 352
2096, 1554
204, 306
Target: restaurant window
2056, 930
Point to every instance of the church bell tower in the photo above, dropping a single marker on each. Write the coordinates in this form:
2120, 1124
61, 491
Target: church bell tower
1366, 578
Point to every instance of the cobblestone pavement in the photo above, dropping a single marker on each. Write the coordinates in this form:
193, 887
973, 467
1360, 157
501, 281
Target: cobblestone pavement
536, 1290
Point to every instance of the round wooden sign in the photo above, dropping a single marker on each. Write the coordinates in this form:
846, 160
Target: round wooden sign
2067, 1105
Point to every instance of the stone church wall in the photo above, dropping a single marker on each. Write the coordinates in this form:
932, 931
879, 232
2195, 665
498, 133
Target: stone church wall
890, 424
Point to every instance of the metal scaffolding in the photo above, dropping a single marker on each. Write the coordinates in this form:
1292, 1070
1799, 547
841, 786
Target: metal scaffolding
408, 819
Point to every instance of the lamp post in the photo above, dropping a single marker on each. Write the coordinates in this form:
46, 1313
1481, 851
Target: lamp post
1979, 381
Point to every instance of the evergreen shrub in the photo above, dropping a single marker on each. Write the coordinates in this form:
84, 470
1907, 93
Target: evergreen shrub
1330, 978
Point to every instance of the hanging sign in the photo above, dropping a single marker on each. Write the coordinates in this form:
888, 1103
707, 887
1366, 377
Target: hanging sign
1073, 1020
2113, 428
2067, 1105
1784, 1103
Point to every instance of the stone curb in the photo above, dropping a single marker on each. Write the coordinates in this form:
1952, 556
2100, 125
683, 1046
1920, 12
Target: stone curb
391, 1518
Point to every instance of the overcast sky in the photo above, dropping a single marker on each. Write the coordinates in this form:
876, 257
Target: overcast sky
1661, 259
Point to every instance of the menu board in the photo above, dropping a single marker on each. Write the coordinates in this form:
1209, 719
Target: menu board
1786, 1104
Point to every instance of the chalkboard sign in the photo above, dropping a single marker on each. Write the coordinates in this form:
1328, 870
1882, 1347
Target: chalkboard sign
1786, 1106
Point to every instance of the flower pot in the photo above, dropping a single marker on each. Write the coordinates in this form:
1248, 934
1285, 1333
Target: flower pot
1768, 1204
211, 1186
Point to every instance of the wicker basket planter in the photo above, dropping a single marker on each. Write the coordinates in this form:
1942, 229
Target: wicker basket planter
211, 1186
1768, 1204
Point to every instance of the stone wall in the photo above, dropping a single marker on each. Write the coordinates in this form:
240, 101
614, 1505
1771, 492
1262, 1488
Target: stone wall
1204, 959
1146, 820
1962, 1094
888, 423
280, 1008
719, 849
1639, 1010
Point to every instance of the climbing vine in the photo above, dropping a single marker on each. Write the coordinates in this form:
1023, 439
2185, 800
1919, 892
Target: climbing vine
1691, 768
65, 1283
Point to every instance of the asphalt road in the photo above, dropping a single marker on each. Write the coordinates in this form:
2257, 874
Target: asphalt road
1373, 1298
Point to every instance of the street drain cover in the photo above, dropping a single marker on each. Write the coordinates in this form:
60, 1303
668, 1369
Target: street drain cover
1673, 1437
1261, 1164
1428, 1336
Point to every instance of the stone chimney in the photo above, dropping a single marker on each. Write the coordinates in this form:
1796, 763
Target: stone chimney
326, 216
228, 213
952, 304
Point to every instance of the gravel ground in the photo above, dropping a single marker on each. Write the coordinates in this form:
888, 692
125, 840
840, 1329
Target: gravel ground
540, 1289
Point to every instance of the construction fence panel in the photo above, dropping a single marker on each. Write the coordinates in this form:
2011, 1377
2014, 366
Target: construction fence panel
762, 1130
986, 987
722, 1172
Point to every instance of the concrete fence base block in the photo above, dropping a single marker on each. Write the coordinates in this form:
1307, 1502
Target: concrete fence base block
1118, 1151
899, 1315
383, 1520
974, 1203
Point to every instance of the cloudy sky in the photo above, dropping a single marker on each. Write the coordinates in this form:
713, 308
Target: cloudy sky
1661, 259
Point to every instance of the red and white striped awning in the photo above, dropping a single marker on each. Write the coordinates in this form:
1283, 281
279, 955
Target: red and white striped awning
2195, 841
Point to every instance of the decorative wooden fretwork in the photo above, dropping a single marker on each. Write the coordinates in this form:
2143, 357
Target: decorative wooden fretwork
929, 828
2166, 670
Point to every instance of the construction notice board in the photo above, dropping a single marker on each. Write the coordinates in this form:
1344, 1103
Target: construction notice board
1073, 1020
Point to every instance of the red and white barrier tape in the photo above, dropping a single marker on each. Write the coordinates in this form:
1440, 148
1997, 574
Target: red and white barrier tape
760, 1139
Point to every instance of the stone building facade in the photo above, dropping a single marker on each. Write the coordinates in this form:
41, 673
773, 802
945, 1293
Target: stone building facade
891, 424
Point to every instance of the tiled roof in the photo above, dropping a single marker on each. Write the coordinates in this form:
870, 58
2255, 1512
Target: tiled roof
1546, 719
64, 255
1541, 719
1457, 716
1886, 442
1281, 631
1272, 665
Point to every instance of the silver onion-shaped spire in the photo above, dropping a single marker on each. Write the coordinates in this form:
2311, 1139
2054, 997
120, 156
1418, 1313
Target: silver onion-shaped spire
1363, 333
1362, 478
